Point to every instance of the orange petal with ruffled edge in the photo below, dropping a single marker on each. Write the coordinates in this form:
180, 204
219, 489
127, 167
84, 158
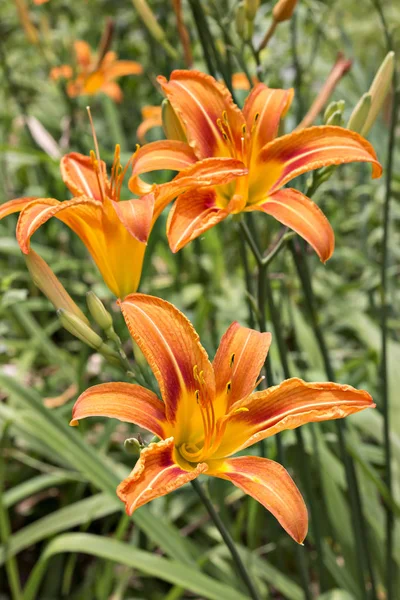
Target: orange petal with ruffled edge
200, 103
97, 224
288, 405
136, 215
238, 362
123, 401
173, 155
155, 474
270, 484
291, 155
192, 214
14, 206
120, 68
293, 209
263, 110
204, 173
80, 177
172, 348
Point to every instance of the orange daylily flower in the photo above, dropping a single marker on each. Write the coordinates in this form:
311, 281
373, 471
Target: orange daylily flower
210, 411
215, 127
113, 231
95, 73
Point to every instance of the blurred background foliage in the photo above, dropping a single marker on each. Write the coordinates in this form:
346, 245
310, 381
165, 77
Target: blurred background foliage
63, 530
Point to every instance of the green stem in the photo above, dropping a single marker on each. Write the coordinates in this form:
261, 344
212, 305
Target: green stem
384, 310
227, 538
358, 521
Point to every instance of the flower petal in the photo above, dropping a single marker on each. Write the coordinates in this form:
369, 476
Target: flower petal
112, 90
294, 209
291, 155
124, 401
117, 254
238, 362
120, 68
83, 54
16, 205
263, 110
167, 154
151, 116
193, 213
136, 215
80, 177
271, 485
200, 102
155, 474
288, 405
204, 173
172, 348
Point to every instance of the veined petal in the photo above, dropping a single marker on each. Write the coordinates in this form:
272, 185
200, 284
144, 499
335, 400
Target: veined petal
291, 155
204, 173
238, 362
120, 68
271, 485
83, 54
14, 206
294, 209
200, 103
288, 405
192, 214
263, 110
117, 254
80, 177
166, 154
172, 348
124, 401
136, 215
155, 474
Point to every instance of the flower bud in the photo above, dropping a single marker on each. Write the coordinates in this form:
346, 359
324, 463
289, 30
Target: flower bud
335, 118
79, 329
360, 113
149, 19
251, 8
171, 124
47, 282
283, 10
378, 90
132, 446
98, 311
332, 108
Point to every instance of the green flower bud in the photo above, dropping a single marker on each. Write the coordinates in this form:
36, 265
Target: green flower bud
171, 124
98, 311
379, 90
240, 21
132, 446
360, 113
251, 8
79, 329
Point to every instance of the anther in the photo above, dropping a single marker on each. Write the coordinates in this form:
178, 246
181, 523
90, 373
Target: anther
197, 394
228, 387
232, 360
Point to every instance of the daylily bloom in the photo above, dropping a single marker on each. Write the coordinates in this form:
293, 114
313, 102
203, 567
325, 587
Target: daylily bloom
210, 411
113, 231
213, 126
95, 73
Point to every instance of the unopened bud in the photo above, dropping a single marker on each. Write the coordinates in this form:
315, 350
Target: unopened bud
360, 113
48, 283
379, 89
251, 8
283, 10
149, 19
332, 108
79, 329
132, 446
335, 118
171, 124
98, 311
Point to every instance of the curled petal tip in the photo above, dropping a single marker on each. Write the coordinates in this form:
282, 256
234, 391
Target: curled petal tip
74, 423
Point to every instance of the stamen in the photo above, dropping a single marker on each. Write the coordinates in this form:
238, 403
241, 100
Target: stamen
259, 381
232, 360
96, 147
228, 387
